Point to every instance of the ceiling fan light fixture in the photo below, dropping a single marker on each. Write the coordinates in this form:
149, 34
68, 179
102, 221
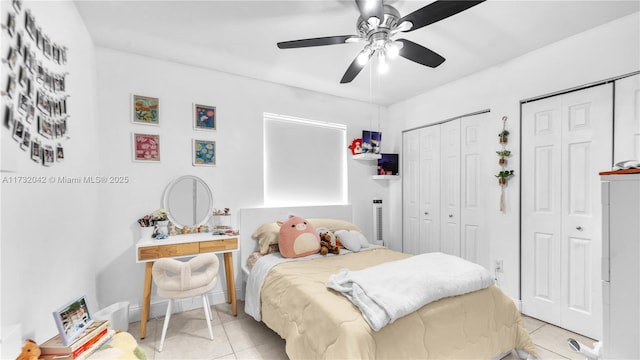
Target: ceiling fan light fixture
364, 55
373, 21
404, 26
392, 48
383, 66
377, 26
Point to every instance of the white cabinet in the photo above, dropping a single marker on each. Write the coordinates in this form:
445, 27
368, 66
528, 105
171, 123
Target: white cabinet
445, 167
621, 265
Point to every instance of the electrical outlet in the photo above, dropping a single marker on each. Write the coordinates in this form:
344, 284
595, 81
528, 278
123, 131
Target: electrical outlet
498, 266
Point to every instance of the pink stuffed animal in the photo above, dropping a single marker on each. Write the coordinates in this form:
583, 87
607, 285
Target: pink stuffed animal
297, 238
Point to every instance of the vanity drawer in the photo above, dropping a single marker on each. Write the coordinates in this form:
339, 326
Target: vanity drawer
160, 251
219, 245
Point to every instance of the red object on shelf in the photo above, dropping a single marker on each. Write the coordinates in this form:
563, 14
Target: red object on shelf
620, 172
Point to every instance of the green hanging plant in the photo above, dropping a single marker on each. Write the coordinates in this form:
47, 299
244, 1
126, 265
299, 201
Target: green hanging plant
504, 154
504, 136
503, 175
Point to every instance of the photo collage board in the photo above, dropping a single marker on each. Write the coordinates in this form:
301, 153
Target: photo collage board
34, 97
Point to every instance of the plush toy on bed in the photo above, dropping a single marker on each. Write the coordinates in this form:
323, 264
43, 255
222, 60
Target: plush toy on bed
328, 243
297, 238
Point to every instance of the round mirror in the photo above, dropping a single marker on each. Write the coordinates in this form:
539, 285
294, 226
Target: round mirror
188, 201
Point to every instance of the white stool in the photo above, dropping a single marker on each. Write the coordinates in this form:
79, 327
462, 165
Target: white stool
181, 279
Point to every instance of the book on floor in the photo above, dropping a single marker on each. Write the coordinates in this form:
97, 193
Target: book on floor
84, 351
56, 346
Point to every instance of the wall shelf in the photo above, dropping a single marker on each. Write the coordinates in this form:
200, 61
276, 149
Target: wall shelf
367, 156
386, 177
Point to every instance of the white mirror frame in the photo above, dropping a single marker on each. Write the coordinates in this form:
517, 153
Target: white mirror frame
167, 192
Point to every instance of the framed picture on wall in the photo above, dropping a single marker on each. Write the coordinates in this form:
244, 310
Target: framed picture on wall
35, 150
204, 117
10, 24
26, 140
145, 110
30, 24
59, 151
8, 116
146, 147
48, 155
18, 131
203, 152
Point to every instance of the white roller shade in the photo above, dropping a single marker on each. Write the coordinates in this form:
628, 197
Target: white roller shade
304, 161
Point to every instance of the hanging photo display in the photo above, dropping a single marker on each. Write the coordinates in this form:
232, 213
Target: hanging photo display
34, 90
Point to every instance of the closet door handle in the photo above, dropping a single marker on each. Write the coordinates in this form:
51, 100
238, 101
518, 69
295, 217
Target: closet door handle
450, 215
579, 228
426, 213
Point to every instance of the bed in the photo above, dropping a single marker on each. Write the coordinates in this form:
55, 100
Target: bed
319, 323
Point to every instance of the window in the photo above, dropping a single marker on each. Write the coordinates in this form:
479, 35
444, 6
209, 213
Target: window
305, 161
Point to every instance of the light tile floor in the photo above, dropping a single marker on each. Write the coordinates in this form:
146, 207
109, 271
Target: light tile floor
242, 337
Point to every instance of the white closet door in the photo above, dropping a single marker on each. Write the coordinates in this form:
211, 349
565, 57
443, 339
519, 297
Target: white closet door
450, 188
474, 156
411, 192
587, 150
541, 208
430, 163
627, 122
566, 141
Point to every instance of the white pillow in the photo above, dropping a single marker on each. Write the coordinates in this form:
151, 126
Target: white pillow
363, 240
349, 239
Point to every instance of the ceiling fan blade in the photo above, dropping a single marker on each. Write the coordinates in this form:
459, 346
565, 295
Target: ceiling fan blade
437, 11
353, 71
329, 40
371, 8
420, 54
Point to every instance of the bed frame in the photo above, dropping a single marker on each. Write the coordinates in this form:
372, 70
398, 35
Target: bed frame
252, 218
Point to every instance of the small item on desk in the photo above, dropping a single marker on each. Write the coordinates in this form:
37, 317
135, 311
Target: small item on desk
145, 221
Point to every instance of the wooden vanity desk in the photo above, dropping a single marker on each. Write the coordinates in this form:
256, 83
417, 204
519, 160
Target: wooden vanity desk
149, 250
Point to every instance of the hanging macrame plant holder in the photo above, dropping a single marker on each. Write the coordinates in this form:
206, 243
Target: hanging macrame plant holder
503, 184
504, 174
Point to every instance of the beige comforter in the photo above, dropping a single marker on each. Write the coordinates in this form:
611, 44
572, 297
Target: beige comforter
320, 323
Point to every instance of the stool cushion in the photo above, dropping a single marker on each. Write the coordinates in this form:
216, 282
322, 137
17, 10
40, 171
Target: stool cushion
177, 279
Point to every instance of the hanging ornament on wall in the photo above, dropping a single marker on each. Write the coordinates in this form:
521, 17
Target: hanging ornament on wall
504, 174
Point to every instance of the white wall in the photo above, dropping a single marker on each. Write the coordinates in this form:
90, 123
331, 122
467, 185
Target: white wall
601, 53
49, 233
236, 181
62, 240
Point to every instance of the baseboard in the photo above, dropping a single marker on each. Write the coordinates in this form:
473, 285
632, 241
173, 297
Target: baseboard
158, 308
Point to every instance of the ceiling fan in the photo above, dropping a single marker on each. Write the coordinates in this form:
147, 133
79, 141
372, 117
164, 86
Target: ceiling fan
378, 26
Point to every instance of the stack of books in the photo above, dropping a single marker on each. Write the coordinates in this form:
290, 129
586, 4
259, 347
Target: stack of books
82, 347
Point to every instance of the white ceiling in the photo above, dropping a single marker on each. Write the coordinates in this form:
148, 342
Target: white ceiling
239, 37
